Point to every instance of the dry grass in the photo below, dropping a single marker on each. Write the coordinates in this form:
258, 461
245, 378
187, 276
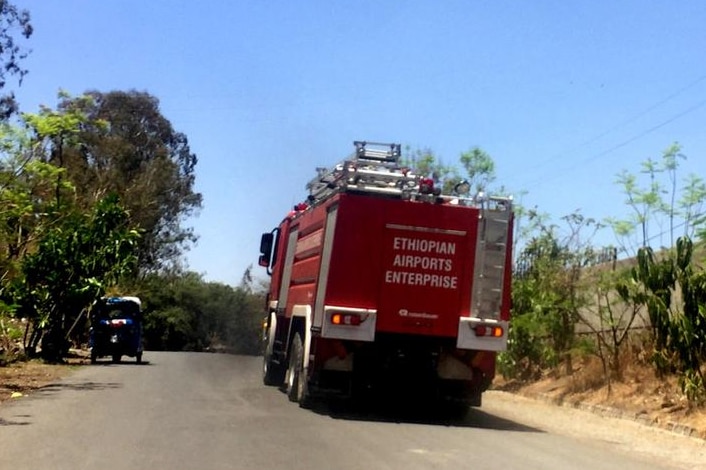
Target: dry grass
639, 395
25, 377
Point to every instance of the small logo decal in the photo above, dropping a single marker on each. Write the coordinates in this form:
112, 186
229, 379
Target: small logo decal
403, 312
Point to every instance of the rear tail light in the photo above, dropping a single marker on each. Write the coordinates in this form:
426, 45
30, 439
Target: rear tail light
351, 319
489, 330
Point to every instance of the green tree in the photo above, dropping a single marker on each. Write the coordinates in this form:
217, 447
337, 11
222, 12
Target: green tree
656, 198
54, 132
478, 166
27, 210
12, 21
33, 180
548, 295
674, 294
175, 302
670, 165
691, 205
67, 233
76, 260
425, 163
644, 202
609, 317
31, 189
27, 186
188, 313
130, 148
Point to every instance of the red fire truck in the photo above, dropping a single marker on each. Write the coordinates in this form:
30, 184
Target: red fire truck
380, 282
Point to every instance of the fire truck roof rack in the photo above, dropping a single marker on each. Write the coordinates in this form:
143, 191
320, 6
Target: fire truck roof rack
373, 168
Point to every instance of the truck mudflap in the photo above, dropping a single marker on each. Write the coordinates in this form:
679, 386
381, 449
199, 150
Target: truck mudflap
482, 334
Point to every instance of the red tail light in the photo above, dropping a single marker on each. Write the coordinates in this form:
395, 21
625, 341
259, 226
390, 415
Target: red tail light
489, 330
351, 319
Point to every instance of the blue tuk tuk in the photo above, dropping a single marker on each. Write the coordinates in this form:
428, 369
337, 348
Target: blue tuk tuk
116, 328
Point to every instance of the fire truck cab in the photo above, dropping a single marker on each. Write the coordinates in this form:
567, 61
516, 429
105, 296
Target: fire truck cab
380, 282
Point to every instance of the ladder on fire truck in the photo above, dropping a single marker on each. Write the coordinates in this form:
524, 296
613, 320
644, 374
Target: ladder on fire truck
374, 168
491, 257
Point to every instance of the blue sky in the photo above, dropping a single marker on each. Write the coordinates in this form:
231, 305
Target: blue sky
563, 95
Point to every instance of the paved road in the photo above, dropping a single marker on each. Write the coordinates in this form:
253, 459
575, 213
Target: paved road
207, 411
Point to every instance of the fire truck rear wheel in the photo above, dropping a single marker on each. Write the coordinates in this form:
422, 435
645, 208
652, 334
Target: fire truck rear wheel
272, 373
297, 389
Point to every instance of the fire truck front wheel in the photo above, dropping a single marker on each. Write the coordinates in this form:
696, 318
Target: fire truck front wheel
297, 387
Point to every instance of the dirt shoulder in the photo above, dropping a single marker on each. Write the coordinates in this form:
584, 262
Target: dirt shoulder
641, 396
23, 378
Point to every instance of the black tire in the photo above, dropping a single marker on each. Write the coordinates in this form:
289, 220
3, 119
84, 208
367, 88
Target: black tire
297, 387
454, 410
272, 373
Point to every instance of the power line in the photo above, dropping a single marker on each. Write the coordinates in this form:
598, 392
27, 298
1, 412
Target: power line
671, 230
638, 115
627, 121
648, 131
624, 143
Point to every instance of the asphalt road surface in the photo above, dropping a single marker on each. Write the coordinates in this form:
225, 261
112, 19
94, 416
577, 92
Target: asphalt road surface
210, 411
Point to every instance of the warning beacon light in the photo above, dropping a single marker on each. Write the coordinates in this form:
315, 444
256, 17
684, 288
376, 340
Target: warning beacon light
462, 188
426, 185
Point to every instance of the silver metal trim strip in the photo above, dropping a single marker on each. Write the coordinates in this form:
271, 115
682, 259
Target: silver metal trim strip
329, 234
287, 269
412, 228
